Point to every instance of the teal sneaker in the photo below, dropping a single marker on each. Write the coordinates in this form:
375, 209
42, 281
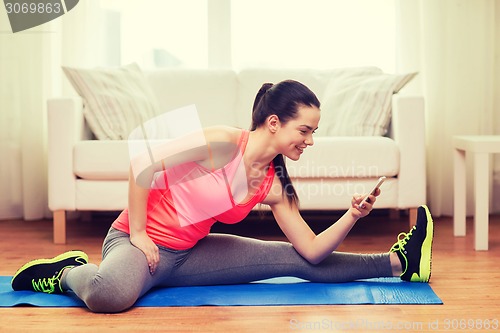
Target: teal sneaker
414, 248
44, 275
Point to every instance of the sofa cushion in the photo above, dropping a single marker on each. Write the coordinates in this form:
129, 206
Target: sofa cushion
105, 194
101, 159
347, 157
335, 194
329, 157
358, 103
117, 100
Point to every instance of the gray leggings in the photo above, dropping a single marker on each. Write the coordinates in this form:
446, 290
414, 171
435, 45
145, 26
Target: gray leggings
123, 275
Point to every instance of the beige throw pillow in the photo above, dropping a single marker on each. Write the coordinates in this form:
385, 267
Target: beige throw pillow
116, 100
358, 103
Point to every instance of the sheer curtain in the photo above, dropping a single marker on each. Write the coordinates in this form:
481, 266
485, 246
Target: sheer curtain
30, 73
25, 59
453, 43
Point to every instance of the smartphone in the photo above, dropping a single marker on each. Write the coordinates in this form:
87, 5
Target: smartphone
379, 183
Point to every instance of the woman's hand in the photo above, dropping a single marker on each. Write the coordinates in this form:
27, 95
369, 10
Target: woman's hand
143, 242
359, 210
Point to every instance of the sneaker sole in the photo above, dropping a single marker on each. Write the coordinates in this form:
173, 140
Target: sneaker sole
426, 254
60, 257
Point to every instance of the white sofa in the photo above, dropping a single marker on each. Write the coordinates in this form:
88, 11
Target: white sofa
91, 175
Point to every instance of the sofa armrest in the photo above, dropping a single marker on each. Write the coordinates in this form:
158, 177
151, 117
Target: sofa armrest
65, 128
408, 130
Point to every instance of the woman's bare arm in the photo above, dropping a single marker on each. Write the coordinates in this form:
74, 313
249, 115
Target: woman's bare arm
314, 248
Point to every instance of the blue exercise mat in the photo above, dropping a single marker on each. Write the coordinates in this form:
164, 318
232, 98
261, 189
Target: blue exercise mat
277, 291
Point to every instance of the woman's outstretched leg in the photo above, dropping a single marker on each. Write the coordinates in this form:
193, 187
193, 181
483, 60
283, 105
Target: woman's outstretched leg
226, 259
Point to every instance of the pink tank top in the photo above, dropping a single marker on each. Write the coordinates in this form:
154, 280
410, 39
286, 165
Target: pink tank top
186, 200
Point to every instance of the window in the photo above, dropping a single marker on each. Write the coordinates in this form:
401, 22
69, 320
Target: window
313, 34
270, 33
160, 33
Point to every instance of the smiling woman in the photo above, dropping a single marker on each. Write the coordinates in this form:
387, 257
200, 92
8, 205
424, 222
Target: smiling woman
163, 236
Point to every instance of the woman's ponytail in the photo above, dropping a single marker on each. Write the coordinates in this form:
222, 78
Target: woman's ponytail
255, 117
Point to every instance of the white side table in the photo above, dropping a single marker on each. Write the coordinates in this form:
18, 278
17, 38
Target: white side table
480, 147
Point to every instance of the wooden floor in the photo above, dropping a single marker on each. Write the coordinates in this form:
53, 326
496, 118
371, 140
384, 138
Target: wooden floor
467, 281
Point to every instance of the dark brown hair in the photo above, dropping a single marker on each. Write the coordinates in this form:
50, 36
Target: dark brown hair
283, 100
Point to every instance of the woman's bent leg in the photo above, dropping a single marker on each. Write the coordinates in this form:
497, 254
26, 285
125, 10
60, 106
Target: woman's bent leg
225, 259
118, 282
